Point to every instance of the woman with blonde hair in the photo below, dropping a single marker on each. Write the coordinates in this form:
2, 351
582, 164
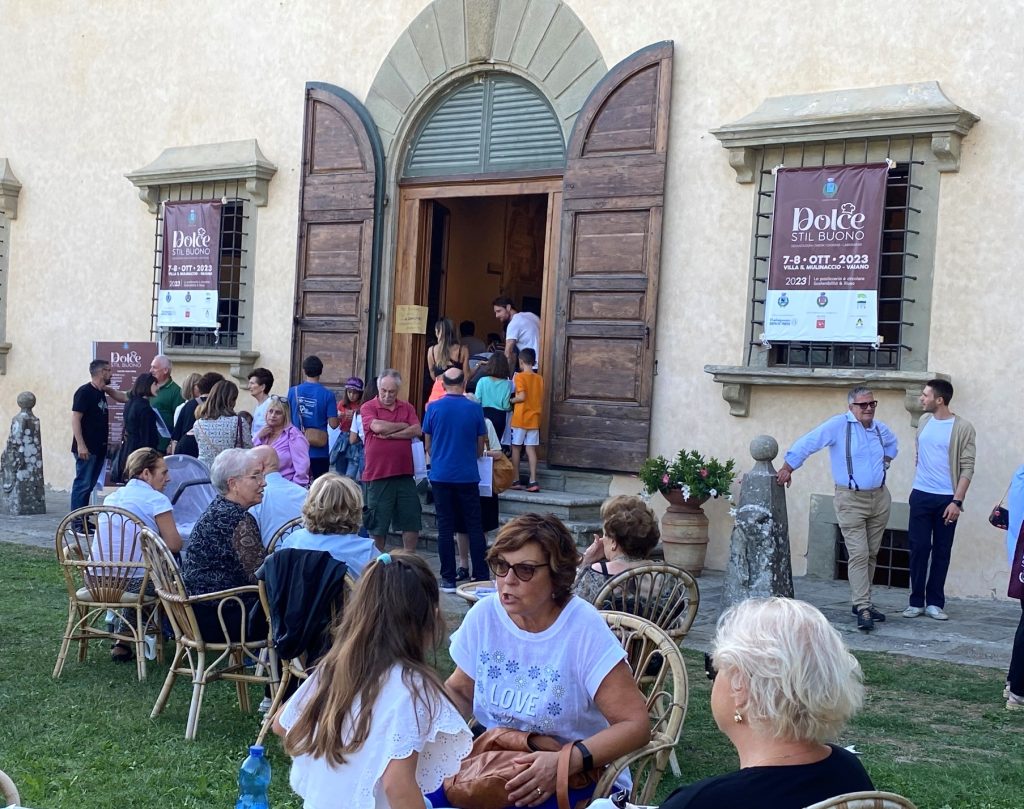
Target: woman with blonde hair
217, 426
287, 440
783, 687
630, 533
330, 521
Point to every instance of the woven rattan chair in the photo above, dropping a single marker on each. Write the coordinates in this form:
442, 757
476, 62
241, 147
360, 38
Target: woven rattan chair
99, 549
296, 667
202, 661
865, 800
660, 673
664, 594
282, 532
8, 790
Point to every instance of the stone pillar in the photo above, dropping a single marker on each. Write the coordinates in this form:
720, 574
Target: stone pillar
21, 466
759, 561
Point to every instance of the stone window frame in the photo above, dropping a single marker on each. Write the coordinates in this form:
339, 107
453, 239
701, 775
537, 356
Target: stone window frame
873, 114
10, 189
211, 165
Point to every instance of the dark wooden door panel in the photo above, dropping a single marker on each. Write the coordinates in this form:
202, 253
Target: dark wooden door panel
336, 233
608, 268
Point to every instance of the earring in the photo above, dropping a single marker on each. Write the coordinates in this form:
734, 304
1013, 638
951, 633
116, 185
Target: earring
737, 717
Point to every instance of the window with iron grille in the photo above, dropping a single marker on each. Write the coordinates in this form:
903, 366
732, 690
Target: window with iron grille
235, 284
902, 264
892, 568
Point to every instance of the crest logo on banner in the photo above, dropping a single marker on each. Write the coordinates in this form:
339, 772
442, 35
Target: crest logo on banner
825, 254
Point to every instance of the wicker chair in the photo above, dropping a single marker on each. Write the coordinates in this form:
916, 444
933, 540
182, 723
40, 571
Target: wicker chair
282, 532
229, 657
865, 800
664, 594
99, 549
296, 667
648, 647
8, 790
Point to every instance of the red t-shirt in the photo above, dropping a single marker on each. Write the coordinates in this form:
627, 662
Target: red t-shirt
387, 457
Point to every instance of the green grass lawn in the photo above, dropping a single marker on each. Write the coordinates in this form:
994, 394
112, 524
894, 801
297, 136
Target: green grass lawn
934, 732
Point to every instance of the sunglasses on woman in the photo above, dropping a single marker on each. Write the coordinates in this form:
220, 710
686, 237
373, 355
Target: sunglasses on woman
524, 570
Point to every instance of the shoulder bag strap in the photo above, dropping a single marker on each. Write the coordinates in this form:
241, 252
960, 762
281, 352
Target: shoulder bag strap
238, 432
562, 776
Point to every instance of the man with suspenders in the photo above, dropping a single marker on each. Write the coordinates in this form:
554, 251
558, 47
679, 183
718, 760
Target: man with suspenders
860, 449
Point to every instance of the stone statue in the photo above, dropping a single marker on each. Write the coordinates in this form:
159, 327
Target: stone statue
21, 466
759, 561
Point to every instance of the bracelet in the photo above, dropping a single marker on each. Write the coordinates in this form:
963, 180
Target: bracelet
588, 760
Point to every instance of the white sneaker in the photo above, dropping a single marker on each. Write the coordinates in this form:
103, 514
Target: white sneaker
913, 612
265, 705
935, 612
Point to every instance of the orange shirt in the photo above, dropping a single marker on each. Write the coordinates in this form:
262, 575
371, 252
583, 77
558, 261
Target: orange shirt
526, 414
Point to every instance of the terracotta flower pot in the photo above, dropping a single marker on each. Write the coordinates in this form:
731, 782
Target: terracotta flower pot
684, 532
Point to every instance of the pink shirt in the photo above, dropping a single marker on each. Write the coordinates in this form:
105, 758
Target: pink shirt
387, 457
293, 453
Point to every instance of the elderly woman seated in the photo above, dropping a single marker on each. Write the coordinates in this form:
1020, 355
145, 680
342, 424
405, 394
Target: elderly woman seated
630, 534
330, 522
225, 548
784, 684
535, 657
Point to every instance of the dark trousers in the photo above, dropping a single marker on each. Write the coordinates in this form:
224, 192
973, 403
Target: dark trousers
1016, 675
318, 467
87, 472
497, 418
931, 543
463, 499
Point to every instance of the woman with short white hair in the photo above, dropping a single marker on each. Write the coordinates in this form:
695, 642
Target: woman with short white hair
784, 686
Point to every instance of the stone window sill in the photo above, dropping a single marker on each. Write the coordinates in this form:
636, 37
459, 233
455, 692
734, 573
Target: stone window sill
736, 381
240, 363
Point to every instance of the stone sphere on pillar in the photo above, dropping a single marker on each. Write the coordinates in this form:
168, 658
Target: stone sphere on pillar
764, 448
26, 400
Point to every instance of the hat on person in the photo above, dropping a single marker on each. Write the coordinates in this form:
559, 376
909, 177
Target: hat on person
354, 383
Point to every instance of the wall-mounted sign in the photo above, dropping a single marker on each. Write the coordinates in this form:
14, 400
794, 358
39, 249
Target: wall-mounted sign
826, 250
191, 265
127, 360
410, 319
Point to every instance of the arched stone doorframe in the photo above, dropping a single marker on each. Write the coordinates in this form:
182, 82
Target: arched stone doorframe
541, 41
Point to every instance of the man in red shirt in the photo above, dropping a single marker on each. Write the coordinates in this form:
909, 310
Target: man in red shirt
390, 425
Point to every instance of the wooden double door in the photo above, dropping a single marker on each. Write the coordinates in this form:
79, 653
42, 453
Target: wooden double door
602, 256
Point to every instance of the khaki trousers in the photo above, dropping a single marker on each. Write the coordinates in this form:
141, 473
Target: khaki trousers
862, 518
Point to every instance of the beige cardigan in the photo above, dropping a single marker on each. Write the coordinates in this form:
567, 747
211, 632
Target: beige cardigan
961, 447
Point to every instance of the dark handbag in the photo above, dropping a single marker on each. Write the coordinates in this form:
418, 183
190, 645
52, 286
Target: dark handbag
238, 434
481, 782
117, 462
1000, 517
1016, 588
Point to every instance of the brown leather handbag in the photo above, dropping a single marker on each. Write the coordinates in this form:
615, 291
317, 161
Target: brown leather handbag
481, 782
503, 475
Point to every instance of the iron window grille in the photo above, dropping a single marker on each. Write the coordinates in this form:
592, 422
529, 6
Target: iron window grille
892, 568
232, 283
897, 265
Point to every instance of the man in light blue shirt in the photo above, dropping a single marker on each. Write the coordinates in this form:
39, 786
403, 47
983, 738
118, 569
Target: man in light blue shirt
860, 450
282, 499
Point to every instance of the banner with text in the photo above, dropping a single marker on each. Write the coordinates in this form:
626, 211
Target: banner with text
825, 255
127, 361
191, 267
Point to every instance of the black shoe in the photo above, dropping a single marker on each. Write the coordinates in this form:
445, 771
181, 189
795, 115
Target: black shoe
448, 586
865, 622
878, 617
461, 574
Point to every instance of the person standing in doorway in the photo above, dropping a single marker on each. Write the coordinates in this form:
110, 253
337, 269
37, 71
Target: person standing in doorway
313, 409
945, 464
526, 413
260, 382
467, 336
89, 430
389, 426
167, 397
455, 435
861, 449
522, 330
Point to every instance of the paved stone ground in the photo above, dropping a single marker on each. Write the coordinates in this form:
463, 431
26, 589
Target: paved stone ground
979, 632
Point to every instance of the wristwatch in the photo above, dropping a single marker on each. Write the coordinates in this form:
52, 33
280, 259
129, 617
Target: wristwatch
959, 504
588, 760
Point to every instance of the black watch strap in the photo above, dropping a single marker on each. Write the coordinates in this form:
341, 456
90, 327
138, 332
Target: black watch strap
959, 504
588, 760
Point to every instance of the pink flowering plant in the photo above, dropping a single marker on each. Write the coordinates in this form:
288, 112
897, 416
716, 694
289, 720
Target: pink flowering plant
690, 473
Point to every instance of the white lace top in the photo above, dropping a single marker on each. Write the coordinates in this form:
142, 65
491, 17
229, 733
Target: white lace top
400, 727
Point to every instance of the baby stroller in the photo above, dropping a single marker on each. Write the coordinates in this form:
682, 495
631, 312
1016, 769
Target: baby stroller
189, 490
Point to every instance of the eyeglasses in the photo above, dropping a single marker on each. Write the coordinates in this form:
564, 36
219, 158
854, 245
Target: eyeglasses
709, 667
275, 398
865, 405
524, 570
256, 476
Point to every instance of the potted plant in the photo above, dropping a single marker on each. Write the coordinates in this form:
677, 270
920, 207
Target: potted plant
687, 481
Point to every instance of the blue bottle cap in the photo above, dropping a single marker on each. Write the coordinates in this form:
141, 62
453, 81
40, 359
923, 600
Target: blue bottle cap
256, 750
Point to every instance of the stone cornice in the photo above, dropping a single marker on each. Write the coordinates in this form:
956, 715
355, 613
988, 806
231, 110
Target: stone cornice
10, 188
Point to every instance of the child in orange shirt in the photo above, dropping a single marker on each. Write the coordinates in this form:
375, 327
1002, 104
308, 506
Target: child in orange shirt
528, 403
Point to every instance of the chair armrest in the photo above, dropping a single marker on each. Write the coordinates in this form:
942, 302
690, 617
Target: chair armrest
220, 595
618, 765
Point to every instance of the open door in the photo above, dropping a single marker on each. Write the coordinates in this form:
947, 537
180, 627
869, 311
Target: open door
338, 244
607, 283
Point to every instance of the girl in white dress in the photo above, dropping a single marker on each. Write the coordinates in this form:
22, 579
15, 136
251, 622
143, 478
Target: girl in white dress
372, 728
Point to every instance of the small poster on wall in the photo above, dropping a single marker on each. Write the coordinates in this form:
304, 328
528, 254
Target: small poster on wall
825, 254
127, 360
191, 265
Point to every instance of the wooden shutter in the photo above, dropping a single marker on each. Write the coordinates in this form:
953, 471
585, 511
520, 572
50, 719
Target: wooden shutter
607, 284
334, 315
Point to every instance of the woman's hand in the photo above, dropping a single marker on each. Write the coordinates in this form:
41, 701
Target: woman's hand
536, 782
494, 453
594, 552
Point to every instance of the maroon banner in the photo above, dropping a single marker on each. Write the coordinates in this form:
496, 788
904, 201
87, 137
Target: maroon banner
127, 360
191, 246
